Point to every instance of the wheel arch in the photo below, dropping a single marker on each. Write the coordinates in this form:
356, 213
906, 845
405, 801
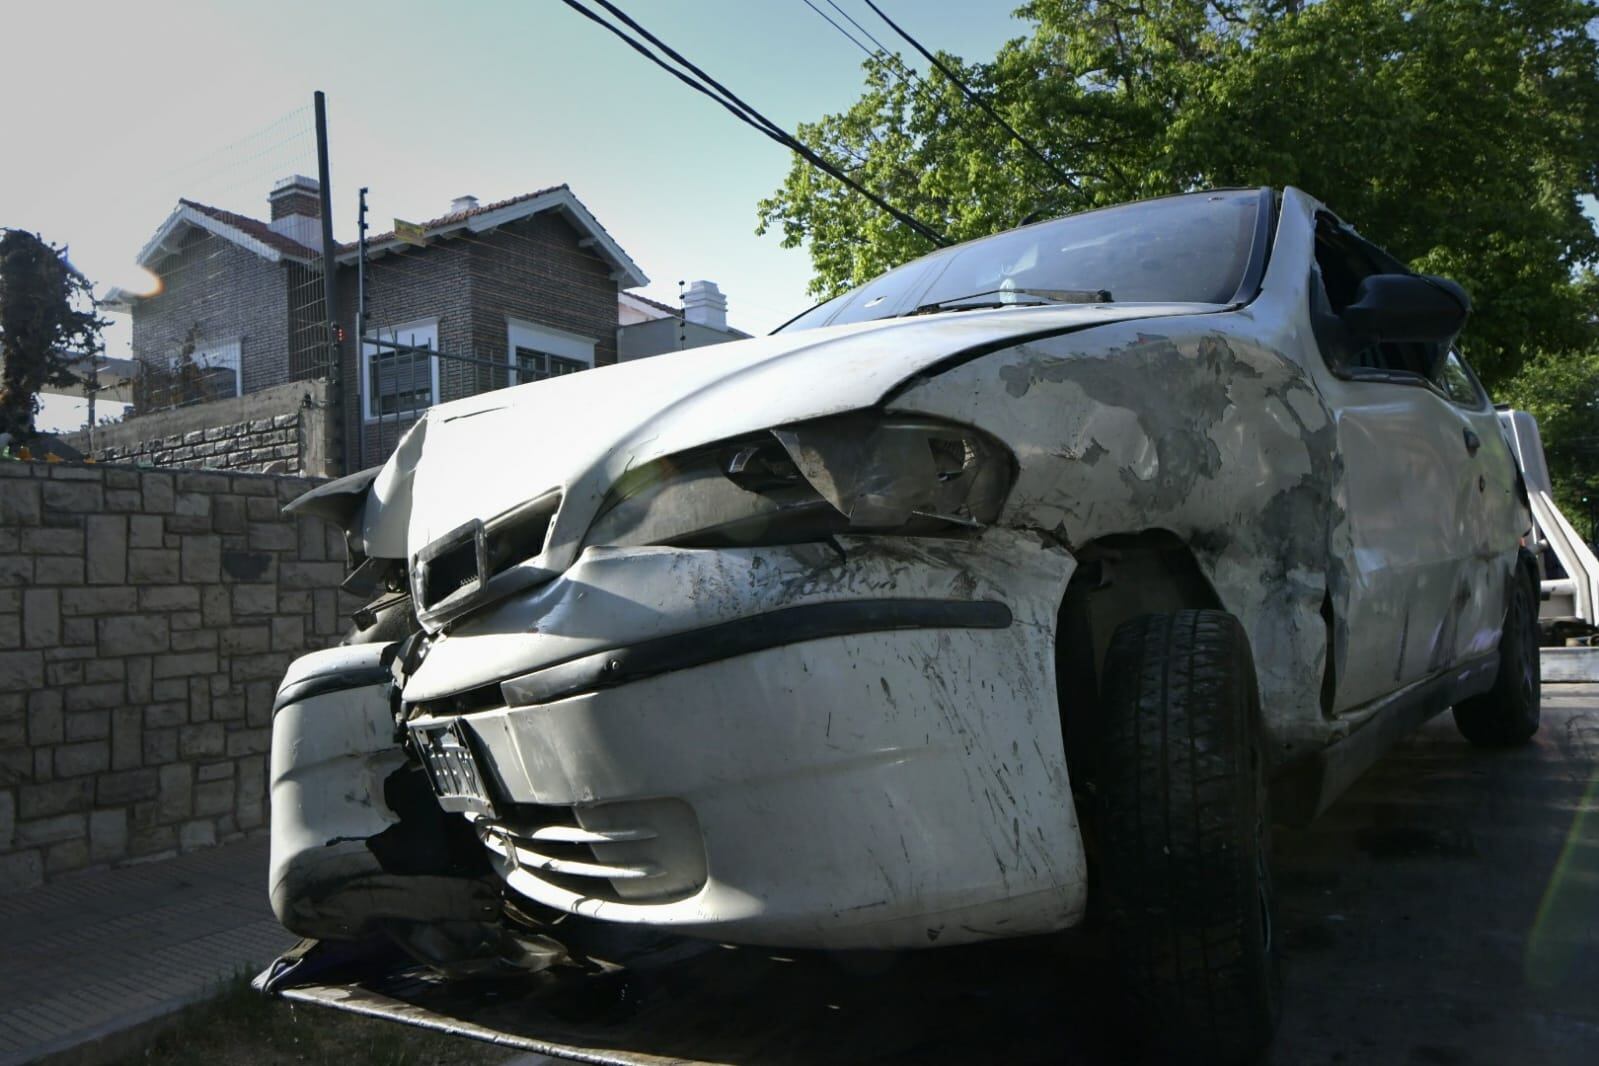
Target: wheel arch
1119, 576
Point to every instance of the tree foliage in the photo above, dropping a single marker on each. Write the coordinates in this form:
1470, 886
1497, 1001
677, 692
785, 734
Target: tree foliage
1459, 134
47, 323
1561, 389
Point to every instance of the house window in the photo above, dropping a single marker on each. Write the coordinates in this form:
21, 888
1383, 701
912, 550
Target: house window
533, 365
399, 375
204, 374
538, 352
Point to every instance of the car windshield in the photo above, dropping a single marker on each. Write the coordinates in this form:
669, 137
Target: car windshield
1179, 249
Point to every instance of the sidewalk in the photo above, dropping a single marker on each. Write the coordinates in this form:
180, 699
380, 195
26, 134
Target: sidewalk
87, 957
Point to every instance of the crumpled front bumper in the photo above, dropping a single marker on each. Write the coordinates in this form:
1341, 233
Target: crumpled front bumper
357, 842
782, 745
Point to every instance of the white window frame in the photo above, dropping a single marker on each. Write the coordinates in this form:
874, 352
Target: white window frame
520, 333
420, 333
216, 355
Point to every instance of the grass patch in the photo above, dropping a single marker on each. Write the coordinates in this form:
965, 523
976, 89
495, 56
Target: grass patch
241, 1027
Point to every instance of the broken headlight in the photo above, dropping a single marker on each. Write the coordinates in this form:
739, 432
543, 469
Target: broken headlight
850, 474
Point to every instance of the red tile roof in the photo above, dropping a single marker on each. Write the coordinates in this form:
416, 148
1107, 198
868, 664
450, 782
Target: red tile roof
668, 308
263, 233
456, 217
256, 229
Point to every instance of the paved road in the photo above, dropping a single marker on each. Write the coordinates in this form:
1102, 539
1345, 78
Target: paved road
1446, 909
85, 957
1444, 912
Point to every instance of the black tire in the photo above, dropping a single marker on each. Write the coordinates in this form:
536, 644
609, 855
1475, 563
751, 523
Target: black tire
1508, 713
1184, 831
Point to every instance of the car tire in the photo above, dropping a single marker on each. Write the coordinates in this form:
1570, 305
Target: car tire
1184, 832
1508, 714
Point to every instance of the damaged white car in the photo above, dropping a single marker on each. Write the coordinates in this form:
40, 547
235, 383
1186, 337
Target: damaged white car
995, 595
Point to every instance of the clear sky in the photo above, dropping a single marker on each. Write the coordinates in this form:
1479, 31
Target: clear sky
123, 107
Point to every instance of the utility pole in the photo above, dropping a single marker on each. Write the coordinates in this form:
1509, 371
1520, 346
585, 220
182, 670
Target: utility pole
330, 290
360, 324
91, 389
682, 318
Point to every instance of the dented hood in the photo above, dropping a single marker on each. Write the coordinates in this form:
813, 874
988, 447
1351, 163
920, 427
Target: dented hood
481, 456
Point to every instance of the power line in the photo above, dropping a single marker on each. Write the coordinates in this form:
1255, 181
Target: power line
881, 47
773, 130
895, 64
713, 89
829, 20
972, 96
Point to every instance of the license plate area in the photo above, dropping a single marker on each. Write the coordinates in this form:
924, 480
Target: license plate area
453, 768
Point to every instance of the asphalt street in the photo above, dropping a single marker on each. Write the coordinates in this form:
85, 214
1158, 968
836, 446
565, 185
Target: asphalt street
1444, 911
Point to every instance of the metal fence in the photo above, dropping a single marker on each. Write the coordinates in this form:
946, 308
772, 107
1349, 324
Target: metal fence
398, 381
237, 299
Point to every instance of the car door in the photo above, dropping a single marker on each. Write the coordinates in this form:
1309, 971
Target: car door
1497, 517
1408, 491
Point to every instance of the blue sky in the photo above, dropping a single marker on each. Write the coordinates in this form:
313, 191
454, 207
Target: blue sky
131, 105
428, 101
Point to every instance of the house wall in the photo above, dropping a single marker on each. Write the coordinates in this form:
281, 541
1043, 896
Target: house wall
224, 293
533, 270
146, 618
662, 335
402, 287
536, 270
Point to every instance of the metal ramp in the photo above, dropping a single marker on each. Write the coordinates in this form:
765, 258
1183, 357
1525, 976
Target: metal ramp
1571, 583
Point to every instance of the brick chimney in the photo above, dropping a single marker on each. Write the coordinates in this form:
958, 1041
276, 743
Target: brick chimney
704, 305
297, 210
296, 195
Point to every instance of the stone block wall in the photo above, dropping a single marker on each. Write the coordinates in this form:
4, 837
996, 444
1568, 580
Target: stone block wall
146, 618
261, 445
285, 429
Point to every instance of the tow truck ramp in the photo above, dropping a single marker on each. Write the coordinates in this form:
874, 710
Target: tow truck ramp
1569, 612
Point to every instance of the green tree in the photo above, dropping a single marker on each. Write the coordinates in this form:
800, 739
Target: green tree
47, 323
1459, 134
1561, 389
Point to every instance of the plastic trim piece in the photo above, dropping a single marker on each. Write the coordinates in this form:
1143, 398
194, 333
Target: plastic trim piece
322, 684
790, 625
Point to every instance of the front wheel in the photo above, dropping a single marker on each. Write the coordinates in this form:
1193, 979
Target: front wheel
1508, 713
1184, 827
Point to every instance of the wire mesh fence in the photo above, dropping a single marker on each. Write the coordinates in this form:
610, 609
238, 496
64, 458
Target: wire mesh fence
477, 297
236, 299
402, 379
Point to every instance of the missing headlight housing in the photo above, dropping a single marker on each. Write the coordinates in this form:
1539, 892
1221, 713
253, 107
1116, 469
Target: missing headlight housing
858, 473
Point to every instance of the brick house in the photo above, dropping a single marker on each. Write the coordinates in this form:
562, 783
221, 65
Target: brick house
505, 292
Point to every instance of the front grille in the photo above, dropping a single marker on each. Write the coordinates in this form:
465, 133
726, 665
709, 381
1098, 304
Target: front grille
450, 574
450, 571
520, 534
647, 851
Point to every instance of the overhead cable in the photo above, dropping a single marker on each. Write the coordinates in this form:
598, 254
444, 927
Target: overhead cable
710, 87
973, 97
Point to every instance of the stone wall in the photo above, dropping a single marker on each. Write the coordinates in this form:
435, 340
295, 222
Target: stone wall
286, 429
146, 618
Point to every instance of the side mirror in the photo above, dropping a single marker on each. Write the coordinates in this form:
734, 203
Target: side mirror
1408, 307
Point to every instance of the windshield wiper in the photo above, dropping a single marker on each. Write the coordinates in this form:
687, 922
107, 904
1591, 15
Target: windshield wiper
1050, 296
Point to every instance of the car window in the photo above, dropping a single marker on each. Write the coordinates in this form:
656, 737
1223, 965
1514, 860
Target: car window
1180, 249
1193, 248
1343, 261
1460, 384
818, 316
883, 297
